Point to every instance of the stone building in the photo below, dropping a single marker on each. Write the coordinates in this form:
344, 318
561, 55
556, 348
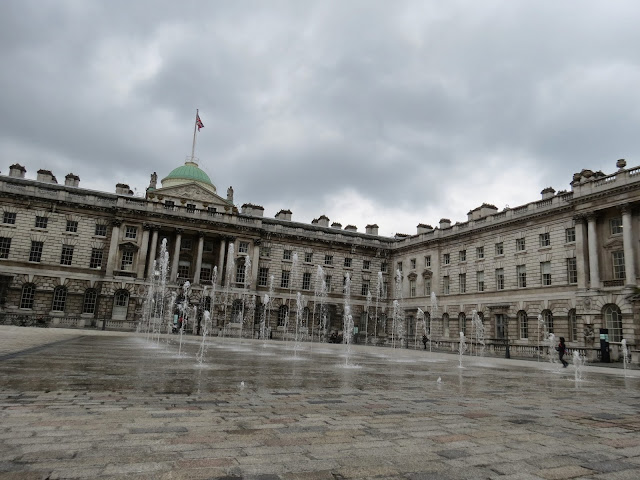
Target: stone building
82, 258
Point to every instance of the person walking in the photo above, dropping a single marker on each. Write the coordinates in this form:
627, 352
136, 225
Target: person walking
562, 349
424, 340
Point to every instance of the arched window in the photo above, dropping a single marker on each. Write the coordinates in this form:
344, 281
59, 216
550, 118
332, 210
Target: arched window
283, 314
445, 324
547, 316
236, 311
89, 302
120, 305
59, 299
28, 293
122, 298
573, 325
462, 323
523, 324
612, 317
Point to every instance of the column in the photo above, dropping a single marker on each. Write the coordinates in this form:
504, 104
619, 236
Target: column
594, 272
152, 250
629, 261
144, 248
196, 276
255, 262
231, 275
176, 256
580, 252
223, 247
113, 247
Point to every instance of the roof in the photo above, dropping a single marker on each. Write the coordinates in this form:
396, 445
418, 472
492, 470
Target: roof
189, 171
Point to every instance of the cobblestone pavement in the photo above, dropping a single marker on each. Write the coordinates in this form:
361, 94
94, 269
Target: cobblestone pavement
77, 404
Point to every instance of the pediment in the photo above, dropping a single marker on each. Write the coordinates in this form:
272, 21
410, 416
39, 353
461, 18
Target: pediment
614, 244
127, 245
186, 192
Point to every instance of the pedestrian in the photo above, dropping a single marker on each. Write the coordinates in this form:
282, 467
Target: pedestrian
562, 349
424, 340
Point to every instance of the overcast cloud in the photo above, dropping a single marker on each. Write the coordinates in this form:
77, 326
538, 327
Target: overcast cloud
395, 113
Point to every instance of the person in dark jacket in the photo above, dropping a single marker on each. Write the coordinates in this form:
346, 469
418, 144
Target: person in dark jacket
424, 340
562, 349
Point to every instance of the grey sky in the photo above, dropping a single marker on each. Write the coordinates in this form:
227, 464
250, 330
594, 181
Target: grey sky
395, 113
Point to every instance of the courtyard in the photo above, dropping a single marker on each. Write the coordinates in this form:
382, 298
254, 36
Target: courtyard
92, 404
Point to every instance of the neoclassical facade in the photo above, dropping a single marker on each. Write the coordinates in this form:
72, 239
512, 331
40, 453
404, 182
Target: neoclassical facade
85, 258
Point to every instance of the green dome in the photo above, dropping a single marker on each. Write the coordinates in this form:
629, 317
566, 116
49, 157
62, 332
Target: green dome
189, 172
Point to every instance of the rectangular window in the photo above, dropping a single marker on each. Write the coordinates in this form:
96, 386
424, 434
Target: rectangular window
521, 273
265, 252
186, 244
169, 204
207, 247
5, 246
545, 272
412, 288
462, 256
385, 289
572, 270
243, 247
308, 257
399, 266
89, 302
306, 281
445, 285
328, 259
191, 208
35, 254
427, 261
347, 262
616, 225
618, 265
284, 280
206, 272
327, 281
183, 269
96, 258
263, 276
427, 287
462, 282
499, 279
480, 280
286, 254
520, 245
524, 325
480, 252
101, 230
366, 265
545, 239
570, 235
383, 267
28, 294
130, 232
447, 258
364, 290
240, 276
41, 222
413, 263
67, 255
499, 249
127, 261
9, 217
72, 226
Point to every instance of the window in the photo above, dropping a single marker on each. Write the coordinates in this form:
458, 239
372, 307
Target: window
72, 226
427, 261
573, 325
616, 225
480, 280
572, 270
447, 258
186, 244
67, 255
101, 230
364, 290
499, 279
212, 211
462, 323
308, 257
263, 276
130, 232
499, 248
183, 269
127, 261
427, 287
284, 280
206, 273
545, 240
412, 288
5, 246
328, 259
383, 267
521, 273
35, 254
96, 258
385, 289
306, 281
413, 263
523, 324
207, 246
347, 262
500, 326
545, 272
283, 314
366, 265
265, 252
121, 298
520, 245
28, 293
327, 281
480, 252
240, 273
243, 247
89, 302
59, 299
613, 321
41, 222
399, 266
169, 204
445, 324
9, 217
191, 208
547, 317
462, 282
462, 255
570, 235
445, 285
286, 254
618, 265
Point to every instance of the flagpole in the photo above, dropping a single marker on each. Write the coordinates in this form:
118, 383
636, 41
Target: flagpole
195, 124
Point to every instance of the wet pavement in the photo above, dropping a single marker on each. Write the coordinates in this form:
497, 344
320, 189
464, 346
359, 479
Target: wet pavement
76, 404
